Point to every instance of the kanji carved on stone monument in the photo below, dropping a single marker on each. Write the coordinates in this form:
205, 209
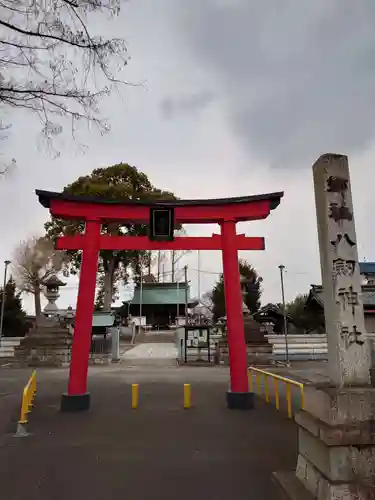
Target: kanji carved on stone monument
351, 336
342, 267
348, 297
340, 272
337, 184
345, 238
336, 458
339, 212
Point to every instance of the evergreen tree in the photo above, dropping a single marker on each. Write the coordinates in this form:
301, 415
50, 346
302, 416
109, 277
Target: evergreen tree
304, 319
253, 291
14, 323
117, 182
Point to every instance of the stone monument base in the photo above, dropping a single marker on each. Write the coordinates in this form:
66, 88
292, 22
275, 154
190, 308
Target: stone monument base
259, 354
47, 344
336, 449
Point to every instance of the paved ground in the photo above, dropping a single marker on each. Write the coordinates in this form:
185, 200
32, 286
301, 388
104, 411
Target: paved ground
156, 451
314, 372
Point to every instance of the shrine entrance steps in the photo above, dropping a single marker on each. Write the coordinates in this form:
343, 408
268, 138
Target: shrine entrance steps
156, 336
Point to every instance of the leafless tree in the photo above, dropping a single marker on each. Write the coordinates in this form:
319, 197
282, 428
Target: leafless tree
53, 65
173, 256
5, 166
34, 260
206, 300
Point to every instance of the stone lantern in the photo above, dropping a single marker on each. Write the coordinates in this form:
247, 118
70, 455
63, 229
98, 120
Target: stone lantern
48, 342
52, 293
259, 351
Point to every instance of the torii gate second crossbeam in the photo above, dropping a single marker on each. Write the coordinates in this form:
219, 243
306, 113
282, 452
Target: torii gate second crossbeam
226, 212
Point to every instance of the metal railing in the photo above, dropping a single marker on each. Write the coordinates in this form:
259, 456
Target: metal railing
265, 376
28, 398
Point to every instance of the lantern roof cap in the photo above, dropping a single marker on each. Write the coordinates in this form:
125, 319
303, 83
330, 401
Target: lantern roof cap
53, 280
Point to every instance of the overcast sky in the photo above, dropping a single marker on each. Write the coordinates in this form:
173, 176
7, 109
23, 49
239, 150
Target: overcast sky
238, 97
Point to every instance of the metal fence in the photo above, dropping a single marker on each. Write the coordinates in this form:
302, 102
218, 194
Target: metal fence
272, 393
101, 344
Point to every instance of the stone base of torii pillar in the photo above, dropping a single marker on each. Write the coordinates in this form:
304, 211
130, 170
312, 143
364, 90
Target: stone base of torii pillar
336, 435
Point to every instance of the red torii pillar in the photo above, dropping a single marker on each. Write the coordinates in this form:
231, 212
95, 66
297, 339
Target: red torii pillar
77, 396
239, 395
225, 212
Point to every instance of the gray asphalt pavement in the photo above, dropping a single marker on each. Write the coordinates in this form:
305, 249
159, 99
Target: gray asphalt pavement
158, 451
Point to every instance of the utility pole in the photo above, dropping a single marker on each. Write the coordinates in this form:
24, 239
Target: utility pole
282, 267
173, 265
186, 294
199, 274
6, 262
178, 301
159, 262
140, 300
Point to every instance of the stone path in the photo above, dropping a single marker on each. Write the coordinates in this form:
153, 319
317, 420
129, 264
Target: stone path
151, 353
159, 450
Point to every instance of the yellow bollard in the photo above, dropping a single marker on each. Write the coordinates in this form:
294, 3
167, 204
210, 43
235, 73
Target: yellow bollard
251, 380
302, 397
289, 400
277, 397
135, 396
257, 380
24, 408
187, 396
266, 388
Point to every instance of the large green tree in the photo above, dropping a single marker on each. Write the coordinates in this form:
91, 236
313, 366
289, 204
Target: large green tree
14, 323
302, 318
251, 281
118, 182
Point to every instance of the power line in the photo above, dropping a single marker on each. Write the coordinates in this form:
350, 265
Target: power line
206, 272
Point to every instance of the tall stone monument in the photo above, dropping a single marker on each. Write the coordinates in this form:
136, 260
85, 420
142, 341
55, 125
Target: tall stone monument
336, 457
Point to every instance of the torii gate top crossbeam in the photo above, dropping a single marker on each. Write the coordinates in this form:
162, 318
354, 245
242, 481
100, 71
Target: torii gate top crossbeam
239, 209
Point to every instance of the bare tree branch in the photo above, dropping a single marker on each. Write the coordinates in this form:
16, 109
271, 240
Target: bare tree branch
52, 65
34, 260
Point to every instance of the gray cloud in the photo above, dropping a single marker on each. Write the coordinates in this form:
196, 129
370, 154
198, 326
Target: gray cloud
172, 107
273, 93
298, 78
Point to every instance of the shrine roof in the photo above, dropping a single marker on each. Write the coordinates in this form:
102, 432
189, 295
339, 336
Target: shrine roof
100, 319
45, 198
161, 293
367, 268
368, 295
270, 311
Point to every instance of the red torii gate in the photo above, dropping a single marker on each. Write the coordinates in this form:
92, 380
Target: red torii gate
226, 212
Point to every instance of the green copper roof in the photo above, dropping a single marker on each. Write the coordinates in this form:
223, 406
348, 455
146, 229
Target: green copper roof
103, 319
160, 293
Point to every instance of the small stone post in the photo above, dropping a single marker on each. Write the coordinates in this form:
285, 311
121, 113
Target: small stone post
336, 457
115, 337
